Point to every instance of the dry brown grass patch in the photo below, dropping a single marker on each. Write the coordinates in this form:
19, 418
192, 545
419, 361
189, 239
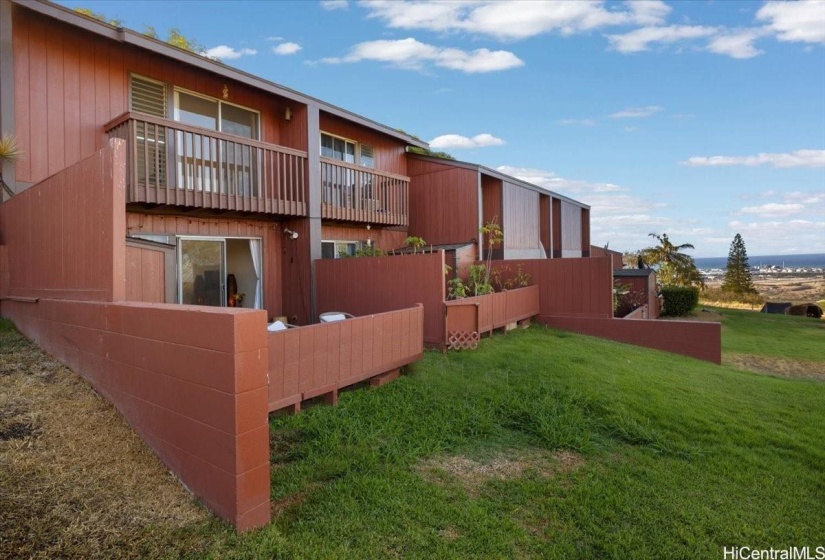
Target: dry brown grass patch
76, 480
784, 367
472, 474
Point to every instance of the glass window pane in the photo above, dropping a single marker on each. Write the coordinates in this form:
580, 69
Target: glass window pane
338, 148
350, 153
327, 250
367, 156
326, 146
238, 121
345, 249
197, 111
201, 269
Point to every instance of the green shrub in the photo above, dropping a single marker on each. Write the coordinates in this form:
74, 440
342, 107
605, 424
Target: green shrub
679, 301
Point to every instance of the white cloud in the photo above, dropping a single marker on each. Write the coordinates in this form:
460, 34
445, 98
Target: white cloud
580, 122
814, 198
334, 4
515, 19
456, 141
550, 181
799, 158
414, 55
773, 210
802, 21
780, 237
286, 48
275, 38
640, 39
636, 112
738, 44
616, 215
228, 53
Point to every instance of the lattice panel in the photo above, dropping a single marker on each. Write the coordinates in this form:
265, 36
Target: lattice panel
462, 340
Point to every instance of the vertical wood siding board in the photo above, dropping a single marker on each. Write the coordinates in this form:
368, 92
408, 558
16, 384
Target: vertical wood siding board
22, 103
38, 88
72, 99
101, 89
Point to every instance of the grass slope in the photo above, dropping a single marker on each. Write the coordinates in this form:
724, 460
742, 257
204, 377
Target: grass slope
549, 444
767, 334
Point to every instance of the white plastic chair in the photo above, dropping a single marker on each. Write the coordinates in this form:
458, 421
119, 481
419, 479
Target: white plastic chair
279, 326
332, 316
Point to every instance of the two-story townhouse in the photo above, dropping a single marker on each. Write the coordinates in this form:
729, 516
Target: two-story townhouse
451, 200
234, 184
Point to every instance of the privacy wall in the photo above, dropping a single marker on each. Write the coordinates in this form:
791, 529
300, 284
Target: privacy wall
368, 285
192, 381
65, 238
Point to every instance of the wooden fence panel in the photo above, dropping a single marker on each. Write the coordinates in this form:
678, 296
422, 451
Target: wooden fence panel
305, 362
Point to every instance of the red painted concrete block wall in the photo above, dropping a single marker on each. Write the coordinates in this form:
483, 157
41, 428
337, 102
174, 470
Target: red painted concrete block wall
689, 338
192, 381
65, 235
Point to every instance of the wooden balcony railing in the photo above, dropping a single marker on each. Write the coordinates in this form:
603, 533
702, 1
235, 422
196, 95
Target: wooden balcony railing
181, 165
358, 194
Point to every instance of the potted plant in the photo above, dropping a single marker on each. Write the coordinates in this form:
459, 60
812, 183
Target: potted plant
9, 152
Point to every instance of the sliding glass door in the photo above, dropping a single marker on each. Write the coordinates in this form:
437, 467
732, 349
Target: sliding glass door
220, 271
202, 271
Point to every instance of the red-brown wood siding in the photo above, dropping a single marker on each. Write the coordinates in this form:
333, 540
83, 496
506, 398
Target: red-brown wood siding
68, 84
384, 239
145, 275
544, 223
268, 232
389, 152
295, 273
521, 218
556, 227
492, 209
443, 202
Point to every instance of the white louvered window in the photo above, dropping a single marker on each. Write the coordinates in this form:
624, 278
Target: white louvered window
149, 97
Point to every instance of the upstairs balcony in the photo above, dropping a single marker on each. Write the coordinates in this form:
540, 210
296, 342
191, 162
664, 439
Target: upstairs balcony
358, 194
180, 165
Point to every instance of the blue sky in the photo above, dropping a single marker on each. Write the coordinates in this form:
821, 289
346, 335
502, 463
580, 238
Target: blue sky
696, 119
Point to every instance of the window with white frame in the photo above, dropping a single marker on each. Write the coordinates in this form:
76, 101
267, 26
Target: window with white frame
339, 249
348, 151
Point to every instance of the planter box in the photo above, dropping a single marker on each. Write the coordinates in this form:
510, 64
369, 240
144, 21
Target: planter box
482, 314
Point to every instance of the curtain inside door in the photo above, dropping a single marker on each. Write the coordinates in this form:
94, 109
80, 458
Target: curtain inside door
255, 251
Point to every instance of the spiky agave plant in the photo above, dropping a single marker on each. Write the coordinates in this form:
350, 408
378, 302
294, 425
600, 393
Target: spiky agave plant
9, 152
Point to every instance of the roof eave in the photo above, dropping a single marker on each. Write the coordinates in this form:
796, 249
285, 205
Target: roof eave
131, 37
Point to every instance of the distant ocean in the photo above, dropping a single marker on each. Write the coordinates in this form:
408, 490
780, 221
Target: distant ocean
816, 260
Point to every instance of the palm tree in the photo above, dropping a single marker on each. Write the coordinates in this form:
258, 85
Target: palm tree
9, 152
674, 266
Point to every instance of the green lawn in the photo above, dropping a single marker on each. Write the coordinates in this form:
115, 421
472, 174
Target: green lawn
548, 444
540, 444
765, 334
